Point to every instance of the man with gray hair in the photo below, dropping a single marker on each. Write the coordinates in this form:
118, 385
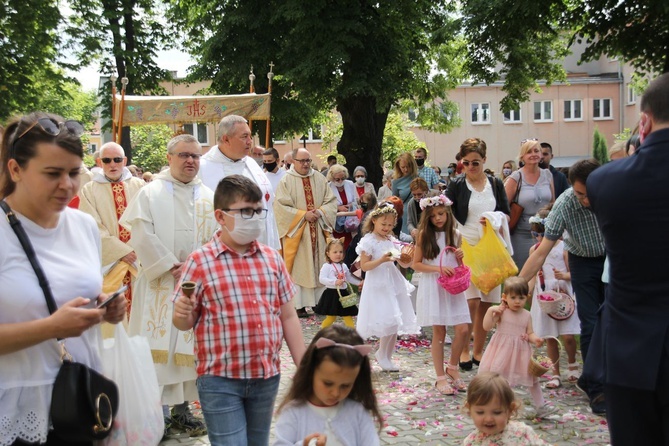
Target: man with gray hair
105, 197
168, 219
230, 157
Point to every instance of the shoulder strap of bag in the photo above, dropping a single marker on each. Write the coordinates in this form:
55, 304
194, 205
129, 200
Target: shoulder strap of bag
30, 252
520, 182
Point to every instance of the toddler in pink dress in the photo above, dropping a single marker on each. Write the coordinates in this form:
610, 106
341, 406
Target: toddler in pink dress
509, 351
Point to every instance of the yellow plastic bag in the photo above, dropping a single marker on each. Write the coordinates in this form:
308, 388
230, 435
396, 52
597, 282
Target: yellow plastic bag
489, 261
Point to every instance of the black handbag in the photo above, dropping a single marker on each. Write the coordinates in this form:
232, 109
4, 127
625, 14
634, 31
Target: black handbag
84, 402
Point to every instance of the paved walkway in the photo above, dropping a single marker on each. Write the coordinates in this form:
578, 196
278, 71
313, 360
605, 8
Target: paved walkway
415, 414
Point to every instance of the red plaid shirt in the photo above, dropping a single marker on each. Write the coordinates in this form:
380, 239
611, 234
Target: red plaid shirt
238, 333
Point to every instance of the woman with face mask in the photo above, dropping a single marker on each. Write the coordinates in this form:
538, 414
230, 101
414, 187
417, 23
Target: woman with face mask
361, 184
344, 190
507, 169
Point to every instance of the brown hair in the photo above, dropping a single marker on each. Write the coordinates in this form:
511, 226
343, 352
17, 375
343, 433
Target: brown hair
418, 183
302, 385
655, 100
473, 145
332, 241
516, 285
581, 170
25, 147
541, 213
234, 188
427, 234
486, 386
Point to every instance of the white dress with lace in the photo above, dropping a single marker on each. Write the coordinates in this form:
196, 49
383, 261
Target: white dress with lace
385, 306
70, 257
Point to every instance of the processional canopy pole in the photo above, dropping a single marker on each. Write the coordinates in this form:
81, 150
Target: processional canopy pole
112, 79
270, 76
252, 78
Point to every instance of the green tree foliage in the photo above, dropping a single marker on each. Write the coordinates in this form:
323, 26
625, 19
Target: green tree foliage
599, 150
359, 56
29, 51
123, 37
150, 146
71, 102
397, 137
522, 41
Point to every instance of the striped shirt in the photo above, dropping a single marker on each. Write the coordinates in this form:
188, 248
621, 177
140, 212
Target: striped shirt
585, 239
238, 331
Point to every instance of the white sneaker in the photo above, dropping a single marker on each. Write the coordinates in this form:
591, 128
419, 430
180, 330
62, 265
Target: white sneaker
448, 339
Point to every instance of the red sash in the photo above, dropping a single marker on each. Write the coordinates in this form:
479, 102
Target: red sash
120, 203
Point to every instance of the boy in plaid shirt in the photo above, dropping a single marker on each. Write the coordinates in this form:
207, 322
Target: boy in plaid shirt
240, 313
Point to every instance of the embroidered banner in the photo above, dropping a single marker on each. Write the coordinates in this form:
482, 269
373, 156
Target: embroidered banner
138, 110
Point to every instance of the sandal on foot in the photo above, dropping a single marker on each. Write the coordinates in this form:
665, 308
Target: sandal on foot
572, 373
554, 382
443, 386
457, 383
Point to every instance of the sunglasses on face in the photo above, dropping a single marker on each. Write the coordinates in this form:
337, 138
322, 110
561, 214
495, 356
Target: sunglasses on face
50, 127
536, 234
473, 163
117, 160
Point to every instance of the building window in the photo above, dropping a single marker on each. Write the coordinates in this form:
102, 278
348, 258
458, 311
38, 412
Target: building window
543, 111
314, 135
631, 95
412, 114
601, 109
481, 113
92, 148
573, 110
199, 131
512, 116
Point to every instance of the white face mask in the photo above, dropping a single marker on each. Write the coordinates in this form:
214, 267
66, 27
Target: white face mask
360, 181
246, 230
338, 183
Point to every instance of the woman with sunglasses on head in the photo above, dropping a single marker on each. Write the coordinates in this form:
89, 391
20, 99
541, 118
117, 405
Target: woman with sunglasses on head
532, 187
41, 161
473, 194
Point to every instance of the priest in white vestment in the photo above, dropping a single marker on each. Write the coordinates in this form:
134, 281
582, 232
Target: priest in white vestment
106, 197
230, 157
306, 210
170, 218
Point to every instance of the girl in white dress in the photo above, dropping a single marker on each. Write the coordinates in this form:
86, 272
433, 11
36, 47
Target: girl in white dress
556, 276
385, 306
435, 306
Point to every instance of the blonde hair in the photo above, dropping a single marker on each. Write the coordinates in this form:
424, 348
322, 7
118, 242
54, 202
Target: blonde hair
383, 208
335, 169
411, 162
527, 146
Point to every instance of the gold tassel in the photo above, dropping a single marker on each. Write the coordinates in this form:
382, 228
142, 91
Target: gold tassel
159, 356
183, 360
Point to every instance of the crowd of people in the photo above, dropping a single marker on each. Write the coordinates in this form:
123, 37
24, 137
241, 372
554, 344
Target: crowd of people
261, 242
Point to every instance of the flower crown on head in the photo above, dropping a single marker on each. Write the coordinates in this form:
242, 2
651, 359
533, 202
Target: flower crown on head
439, 200
535, 219
384, 207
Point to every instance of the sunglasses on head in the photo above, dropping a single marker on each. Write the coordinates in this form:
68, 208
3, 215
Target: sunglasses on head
473, 163
50, 127
117, 160
527, 140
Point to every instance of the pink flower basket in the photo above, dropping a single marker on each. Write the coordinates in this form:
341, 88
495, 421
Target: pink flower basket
459, 281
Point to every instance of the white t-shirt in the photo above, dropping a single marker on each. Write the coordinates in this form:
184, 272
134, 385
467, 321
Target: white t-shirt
70, 257
274, 178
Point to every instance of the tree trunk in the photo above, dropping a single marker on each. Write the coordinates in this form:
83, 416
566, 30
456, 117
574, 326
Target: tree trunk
362, 137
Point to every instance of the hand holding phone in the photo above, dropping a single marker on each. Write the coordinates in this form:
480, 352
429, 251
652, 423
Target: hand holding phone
112, 297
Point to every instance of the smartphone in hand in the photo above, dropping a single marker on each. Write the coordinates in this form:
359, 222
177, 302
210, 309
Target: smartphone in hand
112, 297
